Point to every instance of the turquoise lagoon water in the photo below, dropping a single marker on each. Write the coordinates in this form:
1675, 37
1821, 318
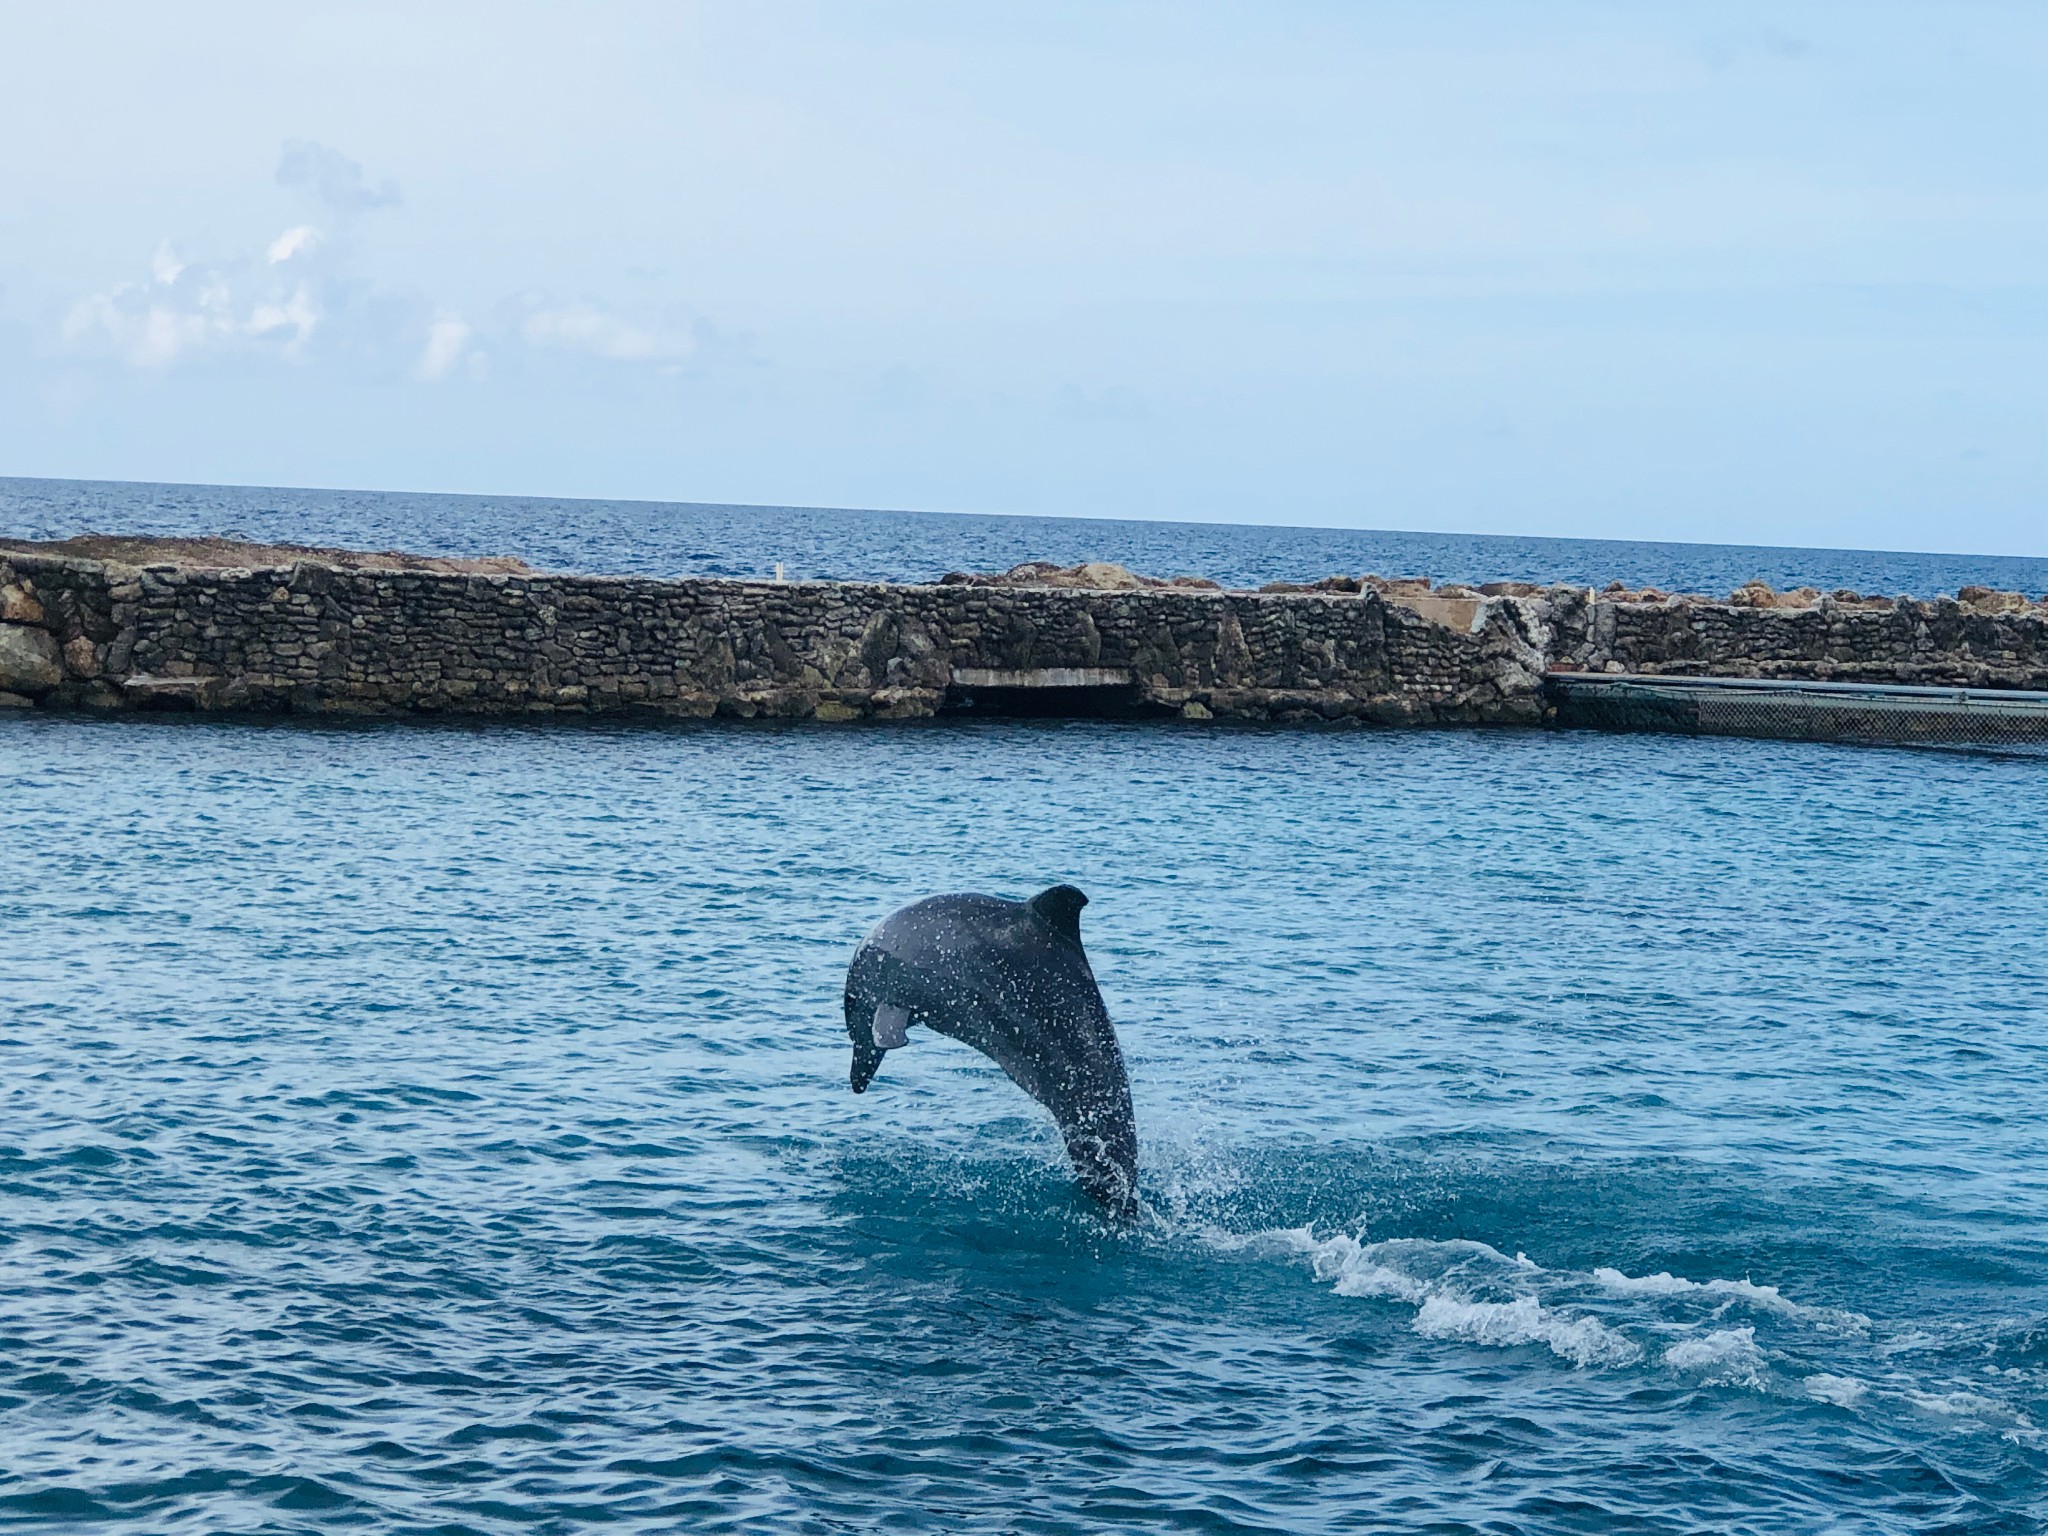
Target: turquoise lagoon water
438, 1129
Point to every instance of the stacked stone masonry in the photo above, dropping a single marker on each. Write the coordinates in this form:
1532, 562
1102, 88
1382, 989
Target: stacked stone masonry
312, 637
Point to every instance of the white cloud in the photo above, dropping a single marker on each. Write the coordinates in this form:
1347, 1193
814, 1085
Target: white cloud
297, 314
296, 241
184, 311
447, 346
299, 298
587, 327
159, 335
271, 307
332, 177
165, 266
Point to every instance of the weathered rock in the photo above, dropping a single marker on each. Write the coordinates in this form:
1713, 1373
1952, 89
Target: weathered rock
1094, 576
1399, 586
1991, 600
16, 701
18, 605
239, 554
907, 703
82, 657
29, 659
1759, 594
1327, 584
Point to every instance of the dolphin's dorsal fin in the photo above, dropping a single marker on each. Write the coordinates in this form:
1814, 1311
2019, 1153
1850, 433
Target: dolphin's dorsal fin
1060, 906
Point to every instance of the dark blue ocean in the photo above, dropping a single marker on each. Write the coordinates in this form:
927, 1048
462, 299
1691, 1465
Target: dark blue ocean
686, 538
445, 1128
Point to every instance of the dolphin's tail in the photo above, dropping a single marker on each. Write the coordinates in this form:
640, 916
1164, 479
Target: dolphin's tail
1104, 1178
1103, 1147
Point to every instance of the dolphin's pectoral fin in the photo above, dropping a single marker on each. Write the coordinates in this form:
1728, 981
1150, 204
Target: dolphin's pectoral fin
1059, 906
891, 1027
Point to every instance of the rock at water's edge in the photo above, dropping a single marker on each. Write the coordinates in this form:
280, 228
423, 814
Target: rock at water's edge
1092, 575
29, 659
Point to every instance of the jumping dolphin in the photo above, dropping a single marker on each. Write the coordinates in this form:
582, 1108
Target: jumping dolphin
1010, 979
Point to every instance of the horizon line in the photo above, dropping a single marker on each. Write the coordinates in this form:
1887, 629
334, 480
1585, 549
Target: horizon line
1068, 517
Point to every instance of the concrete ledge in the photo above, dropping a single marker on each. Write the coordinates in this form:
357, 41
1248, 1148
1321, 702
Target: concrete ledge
1042, 677
147, 692
1793, 709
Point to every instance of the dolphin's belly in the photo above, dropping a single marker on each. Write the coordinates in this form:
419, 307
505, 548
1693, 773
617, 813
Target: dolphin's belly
1049, 1039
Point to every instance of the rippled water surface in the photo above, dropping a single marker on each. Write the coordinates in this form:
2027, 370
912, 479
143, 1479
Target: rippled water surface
414, 1128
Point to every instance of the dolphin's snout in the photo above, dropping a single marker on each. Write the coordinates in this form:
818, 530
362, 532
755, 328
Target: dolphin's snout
867, 1061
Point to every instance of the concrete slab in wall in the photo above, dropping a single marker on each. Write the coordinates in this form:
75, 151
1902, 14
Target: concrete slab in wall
1042, 677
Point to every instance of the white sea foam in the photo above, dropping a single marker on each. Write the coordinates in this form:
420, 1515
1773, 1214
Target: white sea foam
1472, 1293
1726, 1357
1352, 1270
1842, 1391
1435, 1277
1959, 1405
1764, 1298
1663, 1283
1582, 1340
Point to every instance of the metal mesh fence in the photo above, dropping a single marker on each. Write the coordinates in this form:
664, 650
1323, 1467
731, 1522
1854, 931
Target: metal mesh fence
1802, 711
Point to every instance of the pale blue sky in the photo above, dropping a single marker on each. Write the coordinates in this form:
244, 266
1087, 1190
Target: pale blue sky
1760, 273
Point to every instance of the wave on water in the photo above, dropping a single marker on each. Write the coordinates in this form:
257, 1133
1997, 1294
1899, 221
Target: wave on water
1445, 1282
1842, 1391
1726, 1357
1469, 1292
1767, 1298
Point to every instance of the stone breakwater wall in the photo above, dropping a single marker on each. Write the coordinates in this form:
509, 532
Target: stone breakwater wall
314, 637
1993, 641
